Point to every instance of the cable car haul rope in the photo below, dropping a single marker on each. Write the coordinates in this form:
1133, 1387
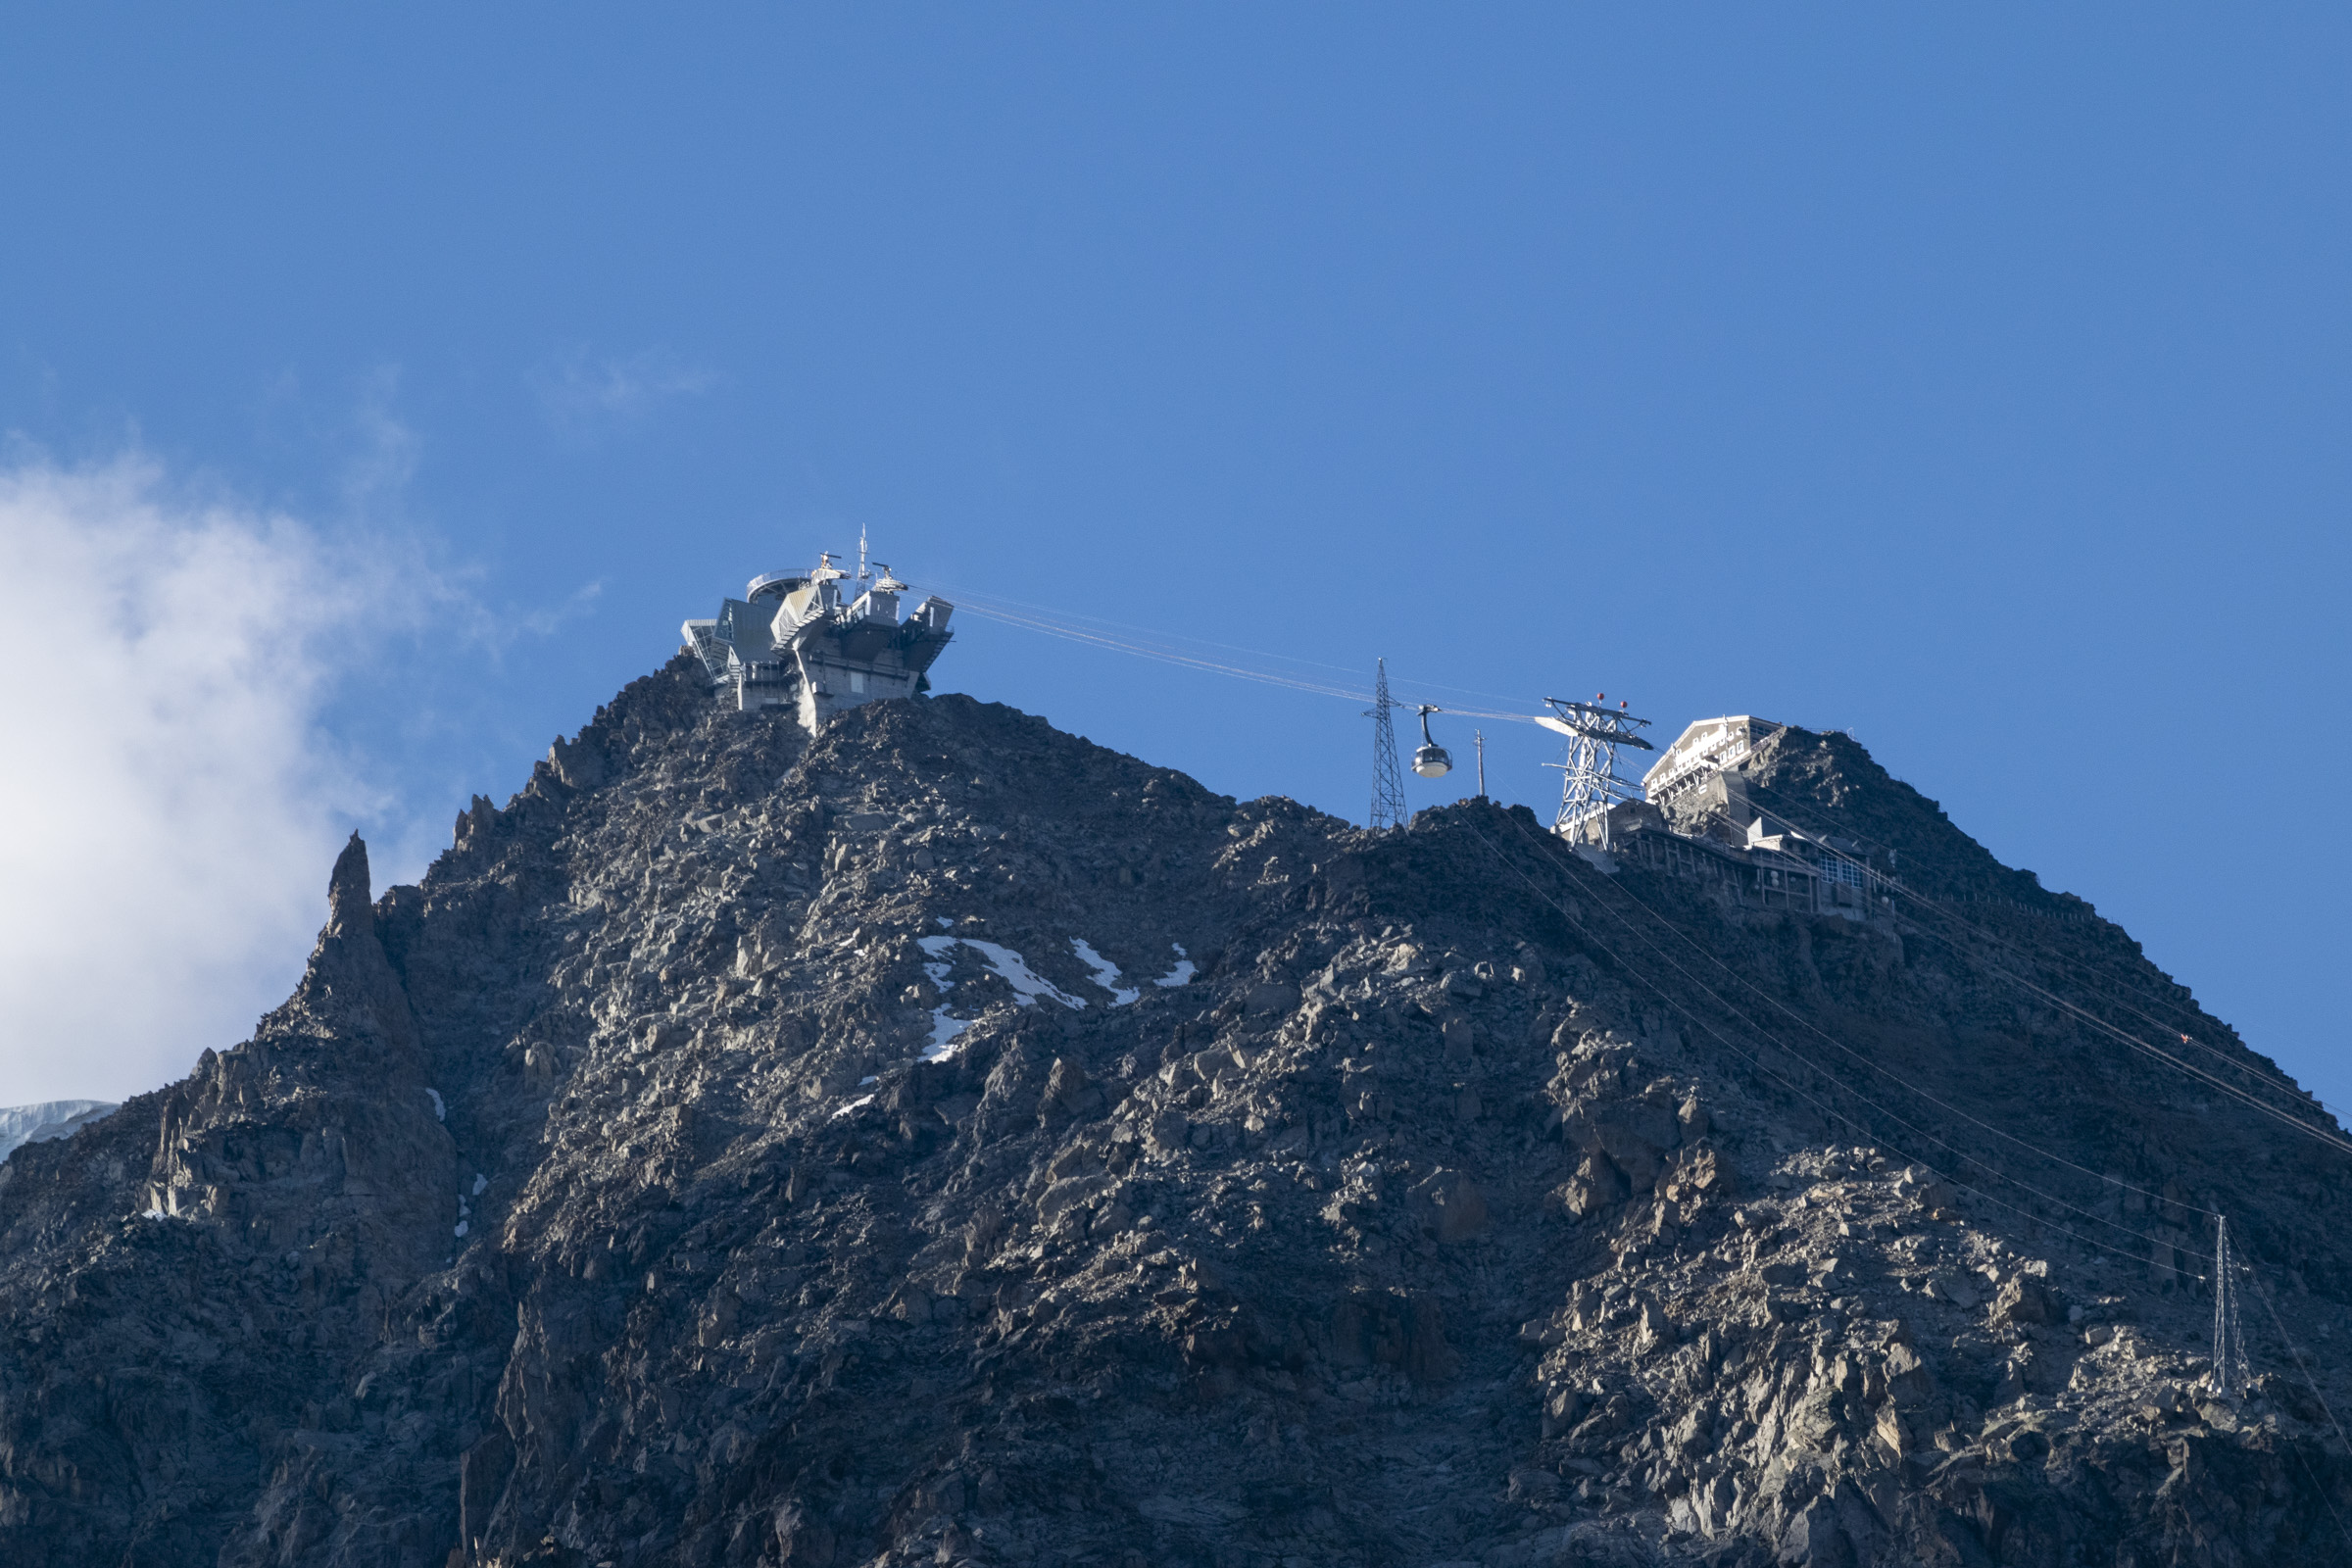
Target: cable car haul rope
1213, 658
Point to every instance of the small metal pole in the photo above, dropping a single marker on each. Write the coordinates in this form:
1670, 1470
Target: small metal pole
1480, 736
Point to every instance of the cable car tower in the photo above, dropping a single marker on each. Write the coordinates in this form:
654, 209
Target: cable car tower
2229, 1374
1387, 780
1590, 785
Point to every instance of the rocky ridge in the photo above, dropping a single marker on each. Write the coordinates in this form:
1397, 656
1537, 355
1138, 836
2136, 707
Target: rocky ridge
950, 1141
52, 1118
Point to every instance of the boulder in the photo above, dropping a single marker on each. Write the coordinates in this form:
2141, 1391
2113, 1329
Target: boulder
2024, 1301
1270, 996
1449, 1205
1596, 1185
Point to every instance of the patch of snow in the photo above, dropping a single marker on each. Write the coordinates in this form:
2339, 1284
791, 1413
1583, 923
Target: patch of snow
461, 1227
440, 1110
1107, 973
869, 1078
1182, 974
153, 1214
1014, 971
943, 1031
945, 924
1009, 966
861, 1099
482, 1184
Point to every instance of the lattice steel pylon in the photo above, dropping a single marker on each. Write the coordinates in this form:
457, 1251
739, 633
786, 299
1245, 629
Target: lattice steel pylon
1591, 785
1388, 779
2230, 1371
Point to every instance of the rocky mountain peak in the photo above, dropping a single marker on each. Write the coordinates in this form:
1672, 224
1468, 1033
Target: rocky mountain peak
350, 910
939, 1138
350, 988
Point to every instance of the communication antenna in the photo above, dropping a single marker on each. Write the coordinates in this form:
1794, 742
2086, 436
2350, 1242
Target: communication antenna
2229, 1374
1590, 785
1432, 760
1479, 737
1388, 781
862, 574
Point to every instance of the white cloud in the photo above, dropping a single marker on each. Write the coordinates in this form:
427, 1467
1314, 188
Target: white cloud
169, 802
582, 394
547, 621
379, 473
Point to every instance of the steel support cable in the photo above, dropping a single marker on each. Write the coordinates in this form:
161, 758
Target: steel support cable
1833, 1112
1172, 656
2260, 1078
1888, 1072
2275, 1112
2119, 978
1846, 830
1925, 902
2341, 1145
1961, 1154
985, 604
965, 599
1140, 650
2243, 1097
1921, 903
1823, 1106
1164, 651
2106, 985
2259, 1288
2116, 978
2296, 1350
1899, 1119
2312, 1384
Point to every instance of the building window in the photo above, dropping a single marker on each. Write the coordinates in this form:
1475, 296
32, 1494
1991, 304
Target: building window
857, 682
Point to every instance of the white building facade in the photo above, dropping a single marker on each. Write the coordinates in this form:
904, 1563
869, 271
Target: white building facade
820, 641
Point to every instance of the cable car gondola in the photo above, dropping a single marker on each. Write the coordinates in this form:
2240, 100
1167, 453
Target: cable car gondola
1432, 760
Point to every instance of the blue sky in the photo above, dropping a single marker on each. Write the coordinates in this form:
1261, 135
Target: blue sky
1975, 380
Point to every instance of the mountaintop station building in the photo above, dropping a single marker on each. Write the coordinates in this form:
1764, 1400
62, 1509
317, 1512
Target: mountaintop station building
790, 639
1699, 819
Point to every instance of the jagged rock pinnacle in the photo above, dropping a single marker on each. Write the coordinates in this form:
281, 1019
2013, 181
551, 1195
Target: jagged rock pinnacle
349, 897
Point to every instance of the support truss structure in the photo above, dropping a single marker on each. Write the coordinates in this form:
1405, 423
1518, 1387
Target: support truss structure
1388, 779
2230, 1369
1590, 785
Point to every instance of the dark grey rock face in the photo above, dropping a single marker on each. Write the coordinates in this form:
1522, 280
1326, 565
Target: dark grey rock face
948, 1141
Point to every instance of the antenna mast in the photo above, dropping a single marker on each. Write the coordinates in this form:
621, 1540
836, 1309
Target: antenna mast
1590, 785
1387, 780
